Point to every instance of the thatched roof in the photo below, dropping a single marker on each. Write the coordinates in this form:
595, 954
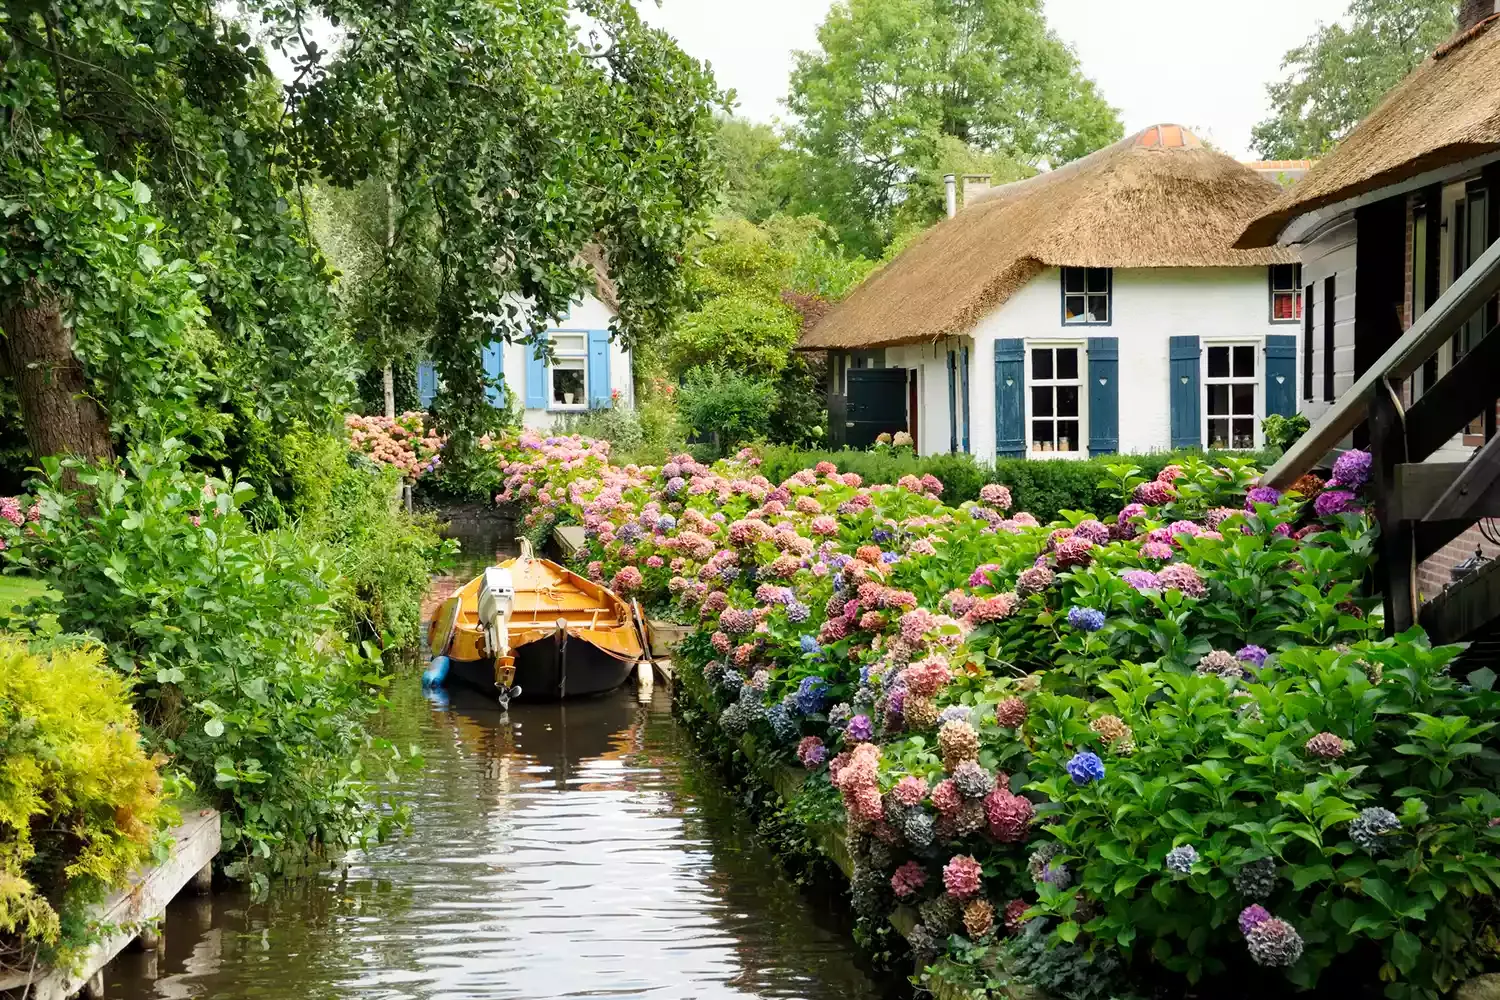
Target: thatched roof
1445, 112
1159, 198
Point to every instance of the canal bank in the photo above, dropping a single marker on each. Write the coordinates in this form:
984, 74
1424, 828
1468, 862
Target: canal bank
574, 849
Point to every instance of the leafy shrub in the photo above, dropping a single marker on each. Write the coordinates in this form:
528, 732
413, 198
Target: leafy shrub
727, 404
231, 640
801, 414
619, 425
1282, 432
384, 556
80, 800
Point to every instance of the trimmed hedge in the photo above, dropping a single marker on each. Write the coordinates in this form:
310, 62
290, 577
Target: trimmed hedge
1042, 486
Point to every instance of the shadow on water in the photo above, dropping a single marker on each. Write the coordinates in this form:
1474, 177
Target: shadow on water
574, 849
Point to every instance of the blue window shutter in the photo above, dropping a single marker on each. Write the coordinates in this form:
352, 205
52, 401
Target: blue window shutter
599, 394
536, 379
1010, 398
494, 369
1187, 420
963, 360
952, 401
427, 381
1104, 396
1281, 375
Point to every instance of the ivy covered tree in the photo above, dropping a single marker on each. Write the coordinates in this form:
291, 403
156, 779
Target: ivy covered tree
1338, 75
154, 277
893, 79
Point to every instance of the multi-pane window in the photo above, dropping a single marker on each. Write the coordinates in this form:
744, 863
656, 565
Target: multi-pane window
569, 371
1232, 386
1086, 295
1286, 293
1056, 399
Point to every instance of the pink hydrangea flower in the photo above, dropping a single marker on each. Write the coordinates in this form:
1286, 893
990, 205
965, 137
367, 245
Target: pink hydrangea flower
962, 877
908, 880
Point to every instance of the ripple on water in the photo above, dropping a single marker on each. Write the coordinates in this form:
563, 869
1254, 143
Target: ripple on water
573, 850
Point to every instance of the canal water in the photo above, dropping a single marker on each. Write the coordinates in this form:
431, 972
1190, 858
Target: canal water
573, 850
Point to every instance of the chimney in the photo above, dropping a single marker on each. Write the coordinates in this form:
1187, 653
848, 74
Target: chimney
1474, 11
974, 186
950, 186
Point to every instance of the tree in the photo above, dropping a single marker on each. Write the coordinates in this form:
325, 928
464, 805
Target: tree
514, 138
755, 169
1342, 71
894, 78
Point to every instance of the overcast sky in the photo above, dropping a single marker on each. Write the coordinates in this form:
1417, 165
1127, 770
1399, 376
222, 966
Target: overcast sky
1200, 63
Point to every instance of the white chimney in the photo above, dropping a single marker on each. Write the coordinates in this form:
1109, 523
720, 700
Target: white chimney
974, 186
950, 186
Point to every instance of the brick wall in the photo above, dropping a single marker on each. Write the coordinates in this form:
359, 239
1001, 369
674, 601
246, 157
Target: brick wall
1435, 574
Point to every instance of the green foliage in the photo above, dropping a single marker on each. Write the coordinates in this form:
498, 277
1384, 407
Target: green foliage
892, 79
1342, 71
726, 404
351, 506
801, 415
231, 640
1282, 432
1231, 776
754, 163
509, 135
80, 800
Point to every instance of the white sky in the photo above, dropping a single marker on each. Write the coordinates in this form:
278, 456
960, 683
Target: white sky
1200, 63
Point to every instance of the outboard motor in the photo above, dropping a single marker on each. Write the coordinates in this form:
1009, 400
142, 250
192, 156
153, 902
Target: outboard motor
497, 595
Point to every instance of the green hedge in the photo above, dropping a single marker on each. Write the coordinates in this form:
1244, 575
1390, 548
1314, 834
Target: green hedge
1042, 486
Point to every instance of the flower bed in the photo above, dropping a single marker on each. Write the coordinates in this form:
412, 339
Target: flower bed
405, 442
1135, 752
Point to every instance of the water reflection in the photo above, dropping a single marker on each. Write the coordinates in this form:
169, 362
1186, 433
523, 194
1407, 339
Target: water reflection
572, 849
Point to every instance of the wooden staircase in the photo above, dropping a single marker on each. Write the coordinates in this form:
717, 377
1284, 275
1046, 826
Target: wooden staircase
1422, 506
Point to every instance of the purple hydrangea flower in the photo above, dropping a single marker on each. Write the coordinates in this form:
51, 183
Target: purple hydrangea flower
1086, 619
1141, 579
1181, 859
1253, 655
1252, 915
1261, 494
812, 694
1331, 502
1085, 767
860, 729
981, 576
808, 644
1352, 470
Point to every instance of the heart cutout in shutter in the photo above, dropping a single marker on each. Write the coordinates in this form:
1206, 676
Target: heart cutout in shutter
1104, 381
1183, 380
1281, 380
1009, 382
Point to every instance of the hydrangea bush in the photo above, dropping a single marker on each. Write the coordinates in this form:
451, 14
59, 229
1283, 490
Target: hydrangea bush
1169, 739
405, 442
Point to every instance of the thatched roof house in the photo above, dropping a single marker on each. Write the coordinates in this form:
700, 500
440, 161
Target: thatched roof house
1018, 319
1159, 198
1445, 113
1385, 224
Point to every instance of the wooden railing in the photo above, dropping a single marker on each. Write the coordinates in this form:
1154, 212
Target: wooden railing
1437, 325
1422, 506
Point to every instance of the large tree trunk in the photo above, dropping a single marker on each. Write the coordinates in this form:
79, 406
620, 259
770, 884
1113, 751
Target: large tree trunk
36, 351
388, 380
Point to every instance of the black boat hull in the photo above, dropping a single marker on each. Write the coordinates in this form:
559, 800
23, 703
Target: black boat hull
543, 673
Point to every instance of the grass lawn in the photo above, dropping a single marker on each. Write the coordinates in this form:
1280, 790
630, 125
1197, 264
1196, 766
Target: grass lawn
15, 590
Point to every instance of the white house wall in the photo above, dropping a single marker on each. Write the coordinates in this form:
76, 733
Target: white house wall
587, 314
1331, 254
1149, 306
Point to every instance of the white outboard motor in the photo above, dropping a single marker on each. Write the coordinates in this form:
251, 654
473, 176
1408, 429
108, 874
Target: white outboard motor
497, 595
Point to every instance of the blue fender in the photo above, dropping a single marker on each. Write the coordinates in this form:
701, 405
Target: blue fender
436, 672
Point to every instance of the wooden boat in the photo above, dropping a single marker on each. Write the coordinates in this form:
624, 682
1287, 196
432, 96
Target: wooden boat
530, 628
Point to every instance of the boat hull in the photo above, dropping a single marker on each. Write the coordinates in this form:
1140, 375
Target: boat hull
543, 675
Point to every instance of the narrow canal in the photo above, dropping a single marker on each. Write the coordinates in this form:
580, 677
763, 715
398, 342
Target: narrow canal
577, 850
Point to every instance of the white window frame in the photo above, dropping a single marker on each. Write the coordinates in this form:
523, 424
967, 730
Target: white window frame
1080, 447
1085, 318
1294, 290
1258, 396
581, 356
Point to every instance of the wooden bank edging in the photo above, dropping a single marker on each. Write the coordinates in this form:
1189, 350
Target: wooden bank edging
195, 842
830, 838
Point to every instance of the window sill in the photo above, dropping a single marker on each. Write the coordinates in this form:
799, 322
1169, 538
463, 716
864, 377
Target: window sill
566, 408
1061, 456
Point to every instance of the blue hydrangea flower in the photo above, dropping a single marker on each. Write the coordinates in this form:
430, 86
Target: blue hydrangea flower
838, 581
1086, 619
1085, 767
666, 523
797, 613
880, 536
629, 532
729, 574
809, 644
783, 726
954, 713
812, 695
1181, 859
890, 557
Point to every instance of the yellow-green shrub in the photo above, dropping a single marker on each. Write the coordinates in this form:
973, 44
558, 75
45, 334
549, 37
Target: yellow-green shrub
80, 800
